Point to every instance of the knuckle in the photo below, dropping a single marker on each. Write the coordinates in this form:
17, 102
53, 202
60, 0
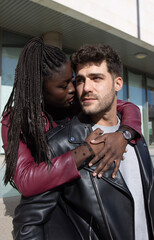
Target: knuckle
100, 167
113, 152
109, 146
108, 165
100, 156
102, 163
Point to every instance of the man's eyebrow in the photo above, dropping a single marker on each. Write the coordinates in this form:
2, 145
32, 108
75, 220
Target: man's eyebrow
90, 75
78, 75
95, 74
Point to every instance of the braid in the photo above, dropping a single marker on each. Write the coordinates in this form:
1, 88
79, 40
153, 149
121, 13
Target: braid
25, 105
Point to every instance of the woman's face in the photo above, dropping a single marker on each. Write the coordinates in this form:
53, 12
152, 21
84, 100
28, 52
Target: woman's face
58, 89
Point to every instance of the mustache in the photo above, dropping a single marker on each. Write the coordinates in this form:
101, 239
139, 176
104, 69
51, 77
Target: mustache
88, 95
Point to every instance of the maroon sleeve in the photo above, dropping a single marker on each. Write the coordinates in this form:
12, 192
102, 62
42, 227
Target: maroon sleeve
131, 115
31, 178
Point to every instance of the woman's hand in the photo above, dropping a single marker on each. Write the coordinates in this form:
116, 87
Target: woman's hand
112, 150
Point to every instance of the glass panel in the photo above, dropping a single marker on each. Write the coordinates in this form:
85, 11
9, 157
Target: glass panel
137, 96
9, 61
122, 94
150, 92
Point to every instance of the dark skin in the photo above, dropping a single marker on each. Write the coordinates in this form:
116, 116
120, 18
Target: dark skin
58, 93
110, 152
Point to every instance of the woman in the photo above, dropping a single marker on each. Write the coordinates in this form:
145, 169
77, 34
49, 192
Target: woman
42, 97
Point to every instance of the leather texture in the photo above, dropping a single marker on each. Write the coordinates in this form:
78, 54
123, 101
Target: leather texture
31, 179
87, 208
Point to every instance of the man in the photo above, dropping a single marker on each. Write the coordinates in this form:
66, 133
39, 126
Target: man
98, 82
99, 208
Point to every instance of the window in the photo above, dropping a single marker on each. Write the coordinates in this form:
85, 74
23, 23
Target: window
137, 96
9, 61
122, 94
150, 95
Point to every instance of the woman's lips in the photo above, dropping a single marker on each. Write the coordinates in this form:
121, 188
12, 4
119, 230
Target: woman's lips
70, 100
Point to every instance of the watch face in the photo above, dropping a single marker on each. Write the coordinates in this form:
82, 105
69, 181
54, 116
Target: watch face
127, 135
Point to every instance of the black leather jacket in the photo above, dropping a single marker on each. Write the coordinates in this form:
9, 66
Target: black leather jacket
88, 208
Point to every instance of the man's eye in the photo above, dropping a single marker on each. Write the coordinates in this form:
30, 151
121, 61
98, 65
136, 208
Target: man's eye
79, 80
97, 78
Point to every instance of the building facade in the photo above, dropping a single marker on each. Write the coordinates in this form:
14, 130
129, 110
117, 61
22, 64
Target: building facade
126, 25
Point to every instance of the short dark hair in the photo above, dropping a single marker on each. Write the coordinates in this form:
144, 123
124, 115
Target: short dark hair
96, 53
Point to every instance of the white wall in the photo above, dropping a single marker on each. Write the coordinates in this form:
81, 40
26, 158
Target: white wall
111, 12
147, 20
118, 17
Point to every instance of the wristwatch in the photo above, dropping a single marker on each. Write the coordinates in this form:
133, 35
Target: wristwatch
127, 135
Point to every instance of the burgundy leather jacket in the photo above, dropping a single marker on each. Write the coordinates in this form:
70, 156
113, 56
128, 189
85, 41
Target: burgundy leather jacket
32, 179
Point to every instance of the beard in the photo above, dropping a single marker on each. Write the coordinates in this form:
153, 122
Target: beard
102, 104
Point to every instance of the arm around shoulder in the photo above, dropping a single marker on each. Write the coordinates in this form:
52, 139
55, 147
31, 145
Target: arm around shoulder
131, 116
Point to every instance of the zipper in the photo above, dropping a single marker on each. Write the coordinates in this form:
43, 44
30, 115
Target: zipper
149, 193
100, 204
149, 209
90, 229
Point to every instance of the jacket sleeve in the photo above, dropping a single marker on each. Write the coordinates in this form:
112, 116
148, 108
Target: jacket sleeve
131, 115
31, 178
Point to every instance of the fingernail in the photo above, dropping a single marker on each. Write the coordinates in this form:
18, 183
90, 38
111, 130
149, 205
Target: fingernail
92, 141
90, 164
99, 175
113, 176
94, 174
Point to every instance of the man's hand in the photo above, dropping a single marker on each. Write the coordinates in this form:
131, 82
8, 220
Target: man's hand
112, 150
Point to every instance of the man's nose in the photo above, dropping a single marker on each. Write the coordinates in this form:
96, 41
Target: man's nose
87, 85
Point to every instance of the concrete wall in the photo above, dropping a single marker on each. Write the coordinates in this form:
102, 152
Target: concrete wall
7, 206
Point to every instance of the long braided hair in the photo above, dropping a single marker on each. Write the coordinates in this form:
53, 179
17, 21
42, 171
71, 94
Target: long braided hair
25, 105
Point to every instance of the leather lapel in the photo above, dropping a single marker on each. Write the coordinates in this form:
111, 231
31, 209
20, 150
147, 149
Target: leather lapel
145, 164
117, 182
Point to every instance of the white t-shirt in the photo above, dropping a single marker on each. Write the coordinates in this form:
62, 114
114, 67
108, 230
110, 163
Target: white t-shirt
130, 171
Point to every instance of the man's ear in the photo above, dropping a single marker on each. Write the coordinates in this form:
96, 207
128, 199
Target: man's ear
118, 83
